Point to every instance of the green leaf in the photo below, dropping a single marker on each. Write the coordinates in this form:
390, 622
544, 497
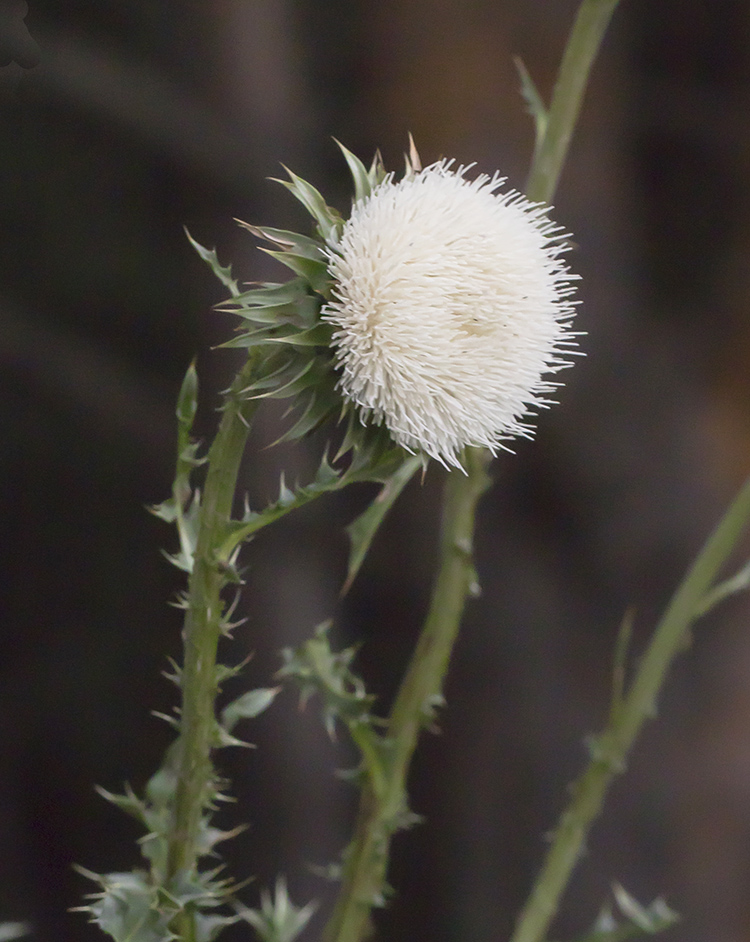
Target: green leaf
317, 336
289, 241
318, 669
360, 176
129, 802
126, 908
533, 100
268, 293
328, 219
302, 312
187, 400
326, 479
313, 270
278, 919
207, 928
248, 706
211, 258
317, 410
377, 169
362, 531
639, 920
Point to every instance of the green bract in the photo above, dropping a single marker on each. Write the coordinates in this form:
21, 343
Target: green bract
282, 322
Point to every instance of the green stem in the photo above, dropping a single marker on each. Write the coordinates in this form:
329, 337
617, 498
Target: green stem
609, 750
381, 814
583, 45
202, 630
383, 807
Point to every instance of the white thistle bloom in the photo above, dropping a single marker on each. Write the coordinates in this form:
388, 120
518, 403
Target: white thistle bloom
451, 304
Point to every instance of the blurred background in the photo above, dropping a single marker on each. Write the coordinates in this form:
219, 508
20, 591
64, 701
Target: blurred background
126, 121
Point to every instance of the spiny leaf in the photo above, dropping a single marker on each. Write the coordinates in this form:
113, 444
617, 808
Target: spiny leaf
290, 241
318, 408
360, 176
377, 169
328, 219
211, 258
126, 908
326, 479
268, 293
314, 270
413, 160
317, 336
318, 669
639, 920
302, 312
249, 705
129, 802
362, 531
278, 919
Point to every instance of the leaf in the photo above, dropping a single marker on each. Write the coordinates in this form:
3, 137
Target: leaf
187, 400
533, 100
326, 479
268, 293
207, 928
362, 531
211, 258
302, 244
360, 176
329, 221
639, 920
316, 668
313, 270
278, 919
248, 706
126, 908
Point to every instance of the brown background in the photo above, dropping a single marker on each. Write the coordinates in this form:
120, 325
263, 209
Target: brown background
145, 117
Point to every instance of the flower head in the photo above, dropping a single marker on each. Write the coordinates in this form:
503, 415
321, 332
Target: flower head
450, 305
431, 320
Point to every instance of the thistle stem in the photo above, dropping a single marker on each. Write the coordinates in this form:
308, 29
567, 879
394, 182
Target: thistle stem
381, 814
609, 750
202, 629
383, 808
582, 47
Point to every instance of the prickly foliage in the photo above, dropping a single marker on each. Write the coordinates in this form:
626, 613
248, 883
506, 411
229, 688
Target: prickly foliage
628, 919
289, 345
284, 320
277, 919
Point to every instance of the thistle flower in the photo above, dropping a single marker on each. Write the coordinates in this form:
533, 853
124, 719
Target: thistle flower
434, 315
450, 305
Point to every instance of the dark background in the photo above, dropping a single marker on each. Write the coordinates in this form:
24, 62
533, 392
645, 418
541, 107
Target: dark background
124, 121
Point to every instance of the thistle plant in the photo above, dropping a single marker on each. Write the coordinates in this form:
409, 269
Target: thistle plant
426, 326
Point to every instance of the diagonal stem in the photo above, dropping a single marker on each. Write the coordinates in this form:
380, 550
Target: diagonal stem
580, 52
609, 750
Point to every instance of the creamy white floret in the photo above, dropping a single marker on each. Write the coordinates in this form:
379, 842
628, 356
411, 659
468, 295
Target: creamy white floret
451, 306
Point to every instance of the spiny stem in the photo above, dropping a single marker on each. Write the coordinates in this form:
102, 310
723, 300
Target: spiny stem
202, 629
609, 750
380, 815
383, 809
